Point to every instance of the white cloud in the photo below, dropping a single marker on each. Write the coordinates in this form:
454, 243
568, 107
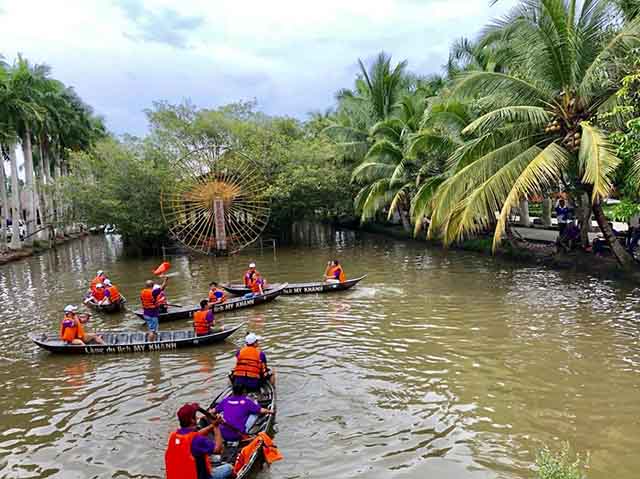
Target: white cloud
291, 55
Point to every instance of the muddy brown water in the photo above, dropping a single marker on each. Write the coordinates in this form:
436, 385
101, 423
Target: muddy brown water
444, 365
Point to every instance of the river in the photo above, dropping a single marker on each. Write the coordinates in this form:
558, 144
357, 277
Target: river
440, 364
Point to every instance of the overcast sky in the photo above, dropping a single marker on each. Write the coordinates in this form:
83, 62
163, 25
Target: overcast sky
292, 56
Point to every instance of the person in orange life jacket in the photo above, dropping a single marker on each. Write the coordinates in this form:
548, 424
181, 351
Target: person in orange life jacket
97, 295
150, 308
100, 277
251, 365
216, 295
203, 319
334, 272
258, 284
72, 330
249, 275
240, 412
188, 449
111, 293
161, 301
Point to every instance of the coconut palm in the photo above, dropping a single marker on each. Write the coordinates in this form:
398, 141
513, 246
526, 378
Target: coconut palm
539, 127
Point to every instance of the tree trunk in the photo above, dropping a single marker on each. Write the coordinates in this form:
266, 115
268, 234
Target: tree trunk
547, 205
404, 217
524, 213
4, 199
29, 185
622, 255
16, 242
584, 218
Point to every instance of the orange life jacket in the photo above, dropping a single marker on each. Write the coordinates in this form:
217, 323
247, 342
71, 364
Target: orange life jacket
147, 299
255, 285
248, 363
96, 280
269, 449
69, 333
249, 277
114, 294
178, 460
200, 323
214, 299
161, 299
337, 269
98, 294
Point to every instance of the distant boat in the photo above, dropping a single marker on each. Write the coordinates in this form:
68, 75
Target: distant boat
110, 307
299, 288
174, 313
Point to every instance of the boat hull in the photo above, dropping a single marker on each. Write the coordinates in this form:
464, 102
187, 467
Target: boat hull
120, 342
300, 288
108, 308
174, 313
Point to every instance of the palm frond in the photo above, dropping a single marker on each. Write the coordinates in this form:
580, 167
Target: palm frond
536, 116
371, 171
597, 161
422, 200
541, 173
401, 195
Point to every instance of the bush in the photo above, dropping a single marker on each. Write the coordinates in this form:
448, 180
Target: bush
560, 465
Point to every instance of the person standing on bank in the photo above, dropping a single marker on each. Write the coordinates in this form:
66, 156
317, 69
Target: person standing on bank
151, 307
562, 215
188, 449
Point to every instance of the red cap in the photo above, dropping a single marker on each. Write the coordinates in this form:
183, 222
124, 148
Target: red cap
188, 412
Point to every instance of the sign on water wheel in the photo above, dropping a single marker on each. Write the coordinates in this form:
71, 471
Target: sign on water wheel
216, 203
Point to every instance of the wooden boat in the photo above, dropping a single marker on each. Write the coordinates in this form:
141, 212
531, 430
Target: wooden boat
266, 397
299, 288
133, 341
232, 304
108, 308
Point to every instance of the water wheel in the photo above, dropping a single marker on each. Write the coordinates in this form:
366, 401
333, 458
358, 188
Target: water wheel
216, 203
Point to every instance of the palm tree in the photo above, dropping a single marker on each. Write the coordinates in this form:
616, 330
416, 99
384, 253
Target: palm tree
388, 171
376, 92
539, 127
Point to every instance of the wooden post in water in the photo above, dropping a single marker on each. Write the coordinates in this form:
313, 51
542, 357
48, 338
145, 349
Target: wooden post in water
221, 233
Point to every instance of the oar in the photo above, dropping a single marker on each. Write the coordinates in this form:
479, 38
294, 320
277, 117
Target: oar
213, 418
174, 305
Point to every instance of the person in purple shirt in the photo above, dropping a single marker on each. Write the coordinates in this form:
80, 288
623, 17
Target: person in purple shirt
201, 445
240, 412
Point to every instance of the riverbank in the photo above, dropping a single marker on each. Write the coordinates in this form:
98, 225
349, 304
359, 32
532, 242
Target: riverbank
526, 251
38, 247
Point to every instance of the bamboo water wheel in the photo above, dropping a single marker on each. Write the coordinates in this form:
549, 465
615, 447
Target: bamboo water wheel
216, 203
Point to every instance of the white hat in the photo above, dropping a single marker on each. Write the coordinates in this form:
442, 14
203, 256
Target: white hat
252, 265
107, 282
100, 273
156, 286
252, 338
70, 308
99, 285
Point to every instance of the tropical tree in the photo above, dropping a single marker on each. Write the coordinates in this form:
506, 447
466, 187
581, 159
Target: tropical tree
538, 128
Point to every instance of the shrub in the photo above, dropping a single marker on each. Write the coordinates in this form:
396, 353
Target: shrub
560, 465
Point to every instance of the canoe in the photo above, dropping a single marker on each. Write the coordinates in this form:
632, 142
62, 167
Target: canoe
133, 341
232, 304
299, 288
108, 308
267, 399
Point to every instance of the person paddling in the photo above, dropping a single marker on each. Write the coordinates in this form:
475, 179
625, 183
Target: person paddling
258, 284
188, 449
249, 275
239, 412
334, 272
150, 306
216, 294
203, 319
251, 365
111, 293
72, 331
100, 277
